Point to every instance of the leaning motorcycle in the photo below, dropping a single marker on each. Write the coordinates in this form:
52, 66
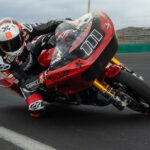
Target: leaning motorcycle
83, 67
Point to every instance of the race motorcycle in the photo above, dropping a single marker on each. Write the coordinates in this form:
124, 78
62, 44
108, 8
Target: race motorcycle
83, 69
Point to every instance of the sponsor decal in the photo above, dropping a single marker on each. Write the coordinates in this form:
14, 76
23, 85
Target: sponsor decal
32, 84
36, 106
8, 35
59, 75
79, 64
106, 26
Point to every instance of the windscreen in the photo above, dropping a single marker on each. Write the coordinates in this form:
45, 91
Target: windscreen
69, 35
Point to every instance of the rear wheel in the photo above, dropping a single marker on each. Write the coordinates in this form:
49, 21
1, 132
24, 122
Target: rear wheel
134, 89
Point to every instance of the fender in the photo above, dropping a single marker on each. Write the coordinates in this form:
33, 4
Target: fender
112, 71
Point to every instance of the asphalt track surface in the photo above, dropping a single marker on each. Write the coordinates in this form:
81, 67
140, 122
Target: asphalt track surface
81, 127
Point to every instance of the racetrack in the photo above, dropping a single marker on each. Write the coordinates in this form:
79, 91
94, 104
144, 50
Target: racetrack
80, 127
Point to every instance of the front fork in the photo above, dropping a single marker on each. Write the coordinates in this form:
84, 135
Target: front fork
107, 92
123, 67
118, 63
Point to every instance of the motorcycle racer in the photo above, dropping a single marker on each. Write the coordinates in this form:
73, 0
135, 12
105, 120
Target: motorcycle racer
20, 55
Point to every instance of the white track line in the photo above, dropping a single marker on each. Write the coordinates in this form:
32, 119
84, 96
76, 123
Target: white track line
22, 141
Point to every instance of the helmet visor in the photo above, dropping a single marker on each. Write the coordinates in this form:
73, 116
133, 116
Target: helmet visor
12, 45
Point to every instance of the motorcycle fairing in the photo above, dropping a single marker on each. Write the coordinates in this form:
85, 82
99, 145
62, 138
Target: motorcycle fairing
77, 41
78, 65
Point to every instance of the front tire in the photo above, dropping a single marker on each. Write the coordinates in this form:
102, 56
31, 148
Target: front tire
135, 88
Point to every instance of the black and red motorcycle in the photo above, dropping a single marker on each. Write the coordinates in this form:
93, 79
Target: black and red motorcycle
83, 67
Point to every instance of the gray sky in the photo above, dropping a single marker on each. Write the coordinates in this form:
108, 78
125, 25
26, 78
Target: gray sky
123, 13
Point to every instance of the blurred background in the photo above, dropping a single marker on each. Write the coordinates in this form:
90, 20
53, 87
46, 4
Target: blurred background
131, 18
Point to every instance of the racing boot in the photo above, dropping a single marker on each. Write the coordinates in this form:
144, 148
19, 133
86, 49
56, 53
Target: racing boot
35, 105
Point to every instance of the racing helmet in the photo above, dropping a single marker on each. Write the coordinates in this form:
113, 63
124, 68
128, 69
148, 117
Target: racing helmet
11, 37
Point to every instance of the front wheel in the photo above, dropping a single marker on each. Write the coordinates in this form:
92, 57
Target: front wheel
133, 88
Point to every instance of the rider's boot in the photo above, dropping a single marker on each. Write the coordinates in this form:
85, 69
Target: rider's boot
35, 105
